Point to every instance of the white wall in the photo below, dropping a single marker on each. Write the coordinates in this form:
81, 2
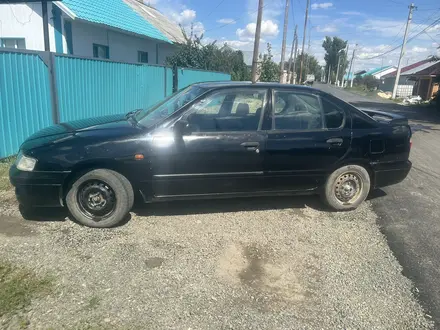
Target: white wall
385, 72
122, 47
25, 21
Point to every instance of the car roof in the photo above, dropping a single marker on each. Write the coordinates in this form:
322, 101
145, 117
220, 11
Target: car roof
221, 84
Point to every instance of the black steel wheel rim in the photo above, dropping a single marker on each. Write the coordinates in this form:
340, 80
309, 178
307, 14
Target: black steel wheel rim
96, 199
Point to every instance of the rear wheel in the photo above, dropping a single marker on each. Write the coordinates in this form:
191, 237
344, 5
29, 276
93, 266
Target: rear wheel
100, 198
347, 187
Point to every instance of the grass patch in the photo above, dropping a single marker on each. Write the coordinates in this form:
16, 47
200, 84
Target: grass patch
93, 302
5, 164
18, 286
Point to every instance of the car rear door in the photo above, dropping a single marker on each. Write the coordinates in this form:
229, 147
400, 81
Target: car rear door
309, 137
223, 152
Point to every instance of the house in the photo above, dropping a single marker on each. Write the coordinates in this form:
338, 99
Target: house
427, 81
380, 72
411, 79
119, 30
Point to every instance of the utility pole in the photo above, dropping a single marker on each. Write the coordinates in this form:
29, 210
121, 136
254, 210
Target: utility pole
304, 40
337, 70
402, 51
294, 57
291, 56
345, 63
308, 55
283, 47
257, 42
351, 64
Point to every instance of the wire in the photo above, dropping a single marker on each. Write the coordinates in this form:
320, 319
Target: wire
410, 39
221, 1
234, 21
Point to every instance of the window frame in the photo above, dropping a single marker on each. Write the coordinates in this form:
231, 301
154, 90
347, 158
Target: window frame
12, 38
265, 108
107, 51
272, 112
140, 53
343, 109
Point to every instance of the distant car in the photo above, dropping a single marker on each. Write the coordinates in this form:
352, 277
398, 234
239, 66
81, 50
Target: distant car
214, 140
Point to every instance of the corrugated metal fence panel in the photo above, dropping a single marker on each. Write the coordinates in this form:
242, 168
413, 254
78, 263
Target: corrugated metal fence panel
25, 103
90, 88
187, 76
169, 81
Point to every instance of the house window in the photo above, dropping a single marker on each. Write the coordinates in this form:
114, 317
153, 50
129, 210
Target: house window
18, 43
142, 57
100, 51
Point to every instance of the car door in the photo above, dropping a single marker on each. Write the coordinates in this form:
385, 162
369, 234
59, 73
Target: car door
222, 150
309, 137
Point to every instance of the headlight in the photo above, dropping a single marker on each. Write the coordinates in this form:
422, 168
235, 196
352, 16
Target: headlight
25, 163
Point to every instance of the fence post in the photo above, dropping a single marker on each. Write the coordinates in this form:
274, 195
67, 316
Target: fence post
165, 80
49, 59
175, 79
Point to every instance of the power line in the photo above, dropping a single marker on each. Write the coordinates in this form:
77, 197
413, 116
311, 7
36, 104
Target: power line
221, 1
234, 21
410, 39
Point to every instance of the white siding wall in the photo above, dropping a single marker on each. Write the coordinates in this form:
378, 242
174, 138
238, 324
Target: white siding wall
385, 72
25, 21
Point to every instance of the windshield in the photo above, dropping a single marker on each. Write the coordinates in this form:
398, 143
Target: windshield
167, 107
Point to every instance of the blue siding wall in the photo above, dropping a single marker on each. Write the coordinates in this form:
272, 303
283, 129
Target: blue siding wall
25, 104
189, 76
90, 88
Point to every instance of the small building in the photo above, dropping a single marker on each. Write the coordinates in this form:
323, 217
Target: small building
380, 72
410, 79
119, 30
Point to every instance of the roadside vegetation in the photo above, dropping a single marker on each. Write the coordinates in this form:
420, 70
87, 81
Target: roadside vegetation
18, 286
5, 164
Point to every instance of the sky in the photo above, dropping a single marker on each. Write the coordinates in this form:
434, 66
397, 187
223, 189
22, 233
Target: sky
375, 26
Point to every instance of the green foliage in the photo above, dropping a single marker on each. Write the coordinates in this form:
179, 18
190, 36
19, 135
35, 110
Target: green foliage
332, 46
311, 66
269, 70
194, 54
368, 82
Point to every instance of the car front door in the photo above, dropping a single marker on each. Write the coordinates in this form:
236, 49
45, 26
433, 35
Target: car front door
309, 137
221, 150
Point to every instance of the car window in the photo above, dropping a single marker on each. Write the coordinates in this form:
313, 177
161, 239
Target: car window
333, 115
227, 110
296, 111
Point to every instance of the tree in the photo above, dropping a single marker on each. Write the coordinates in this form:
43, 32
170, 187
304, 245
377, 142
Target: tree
332, 46
194, 54
269, 70
311, 66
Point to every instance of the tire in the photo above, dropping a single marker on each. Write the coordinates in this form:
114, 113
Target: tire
100, 198
347, 187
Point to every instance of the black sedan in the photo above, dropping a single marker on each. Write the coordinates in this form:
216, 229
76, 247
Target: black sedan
214, 140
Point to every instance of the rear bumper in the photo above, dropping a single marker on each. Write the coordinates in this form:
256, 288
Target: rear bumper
386, 175
38, 189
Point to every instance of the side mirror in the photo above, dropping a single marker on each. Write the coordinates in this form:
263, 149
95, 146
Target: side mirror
182, 127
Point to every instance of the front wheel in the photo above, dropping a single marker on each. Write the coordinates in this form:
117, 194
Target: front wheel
100, 198
347, 187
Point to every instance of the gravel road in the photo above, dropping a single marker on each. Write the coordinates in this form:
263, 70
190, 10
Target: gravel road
266, 263
409, 213
248, 264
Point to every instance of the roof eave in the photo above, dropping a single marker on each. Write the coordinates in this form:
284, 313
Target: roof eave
65, 9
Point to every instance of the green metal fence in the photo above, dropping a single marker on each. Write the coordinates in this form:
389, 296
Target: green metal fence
38, 89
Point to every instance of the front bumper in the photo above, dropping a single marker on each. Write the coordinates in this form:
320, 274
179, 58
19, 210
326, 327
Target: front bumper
389, 174
39, 188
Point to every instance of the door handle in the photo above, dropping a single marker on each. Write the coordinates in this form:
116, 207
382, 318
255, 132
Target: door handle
251, 146
335, 141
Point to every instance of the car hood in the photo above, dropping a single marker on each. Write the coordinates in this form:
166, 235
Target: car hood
52, 134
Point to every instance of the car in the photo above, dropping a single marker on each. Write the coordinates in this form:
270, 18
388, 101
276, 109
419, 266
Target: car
214, 140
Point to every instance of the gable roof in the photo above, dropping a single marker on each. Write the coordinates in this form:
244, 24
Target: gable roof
113, 13
170, 29
412, 68
378, 70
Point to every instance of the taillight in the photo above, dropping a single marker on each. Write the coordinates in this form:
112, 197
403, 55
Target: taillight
410, 143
